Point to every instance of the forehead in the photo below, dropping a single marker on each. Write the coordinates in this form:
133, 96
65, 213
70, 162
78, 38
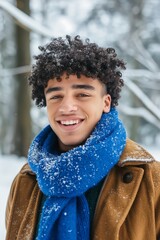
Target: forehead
73, 82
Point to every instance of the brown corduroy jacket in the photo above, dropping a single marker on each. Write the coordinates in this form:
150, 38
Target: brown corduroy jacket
128, 207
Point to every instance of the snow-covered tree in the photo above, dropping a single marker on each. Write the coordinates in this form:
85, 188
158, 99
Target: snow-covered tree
132, 27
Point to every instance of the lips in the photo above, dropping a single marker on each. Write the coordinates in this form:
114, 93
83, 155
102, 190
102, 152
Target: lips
70, 124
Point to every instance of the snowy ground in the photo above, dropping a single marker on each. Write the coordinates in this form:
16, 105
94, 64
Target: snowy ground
9, 167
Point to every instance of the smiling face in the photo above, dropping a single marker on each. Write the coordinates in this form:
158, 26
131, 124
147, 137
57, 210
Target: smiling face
74, 106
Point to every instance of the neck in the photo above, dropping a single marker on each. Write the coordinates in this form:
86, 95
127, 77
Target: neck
65, 148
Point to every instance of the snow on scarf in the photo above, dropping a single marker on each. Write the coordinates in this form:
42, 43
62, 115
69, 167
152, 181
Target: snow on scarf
65, 177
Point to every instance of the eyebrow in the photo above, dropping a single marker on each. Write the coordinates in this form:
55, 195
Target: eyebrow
74, 86
83, 86
53, 89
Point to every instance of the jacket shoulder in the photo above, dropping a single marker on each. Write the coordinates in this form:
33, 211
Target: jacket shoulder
155, 170
26, 170
135, 154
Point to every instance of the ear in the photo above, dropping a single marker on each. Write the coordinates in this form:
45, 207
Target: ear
107, 103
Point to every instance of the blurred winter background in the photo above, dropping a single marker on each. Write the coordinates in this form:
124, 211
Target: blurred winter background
132, 27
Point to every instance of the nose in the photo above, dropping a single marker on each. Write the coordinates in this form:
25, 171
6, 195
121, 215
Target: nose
68, 106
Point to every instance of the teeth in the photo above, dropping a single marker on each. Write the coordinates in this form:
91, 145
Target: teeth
70, 122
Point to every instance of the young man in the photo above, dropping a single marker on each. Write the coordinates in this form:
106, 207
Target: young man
84, 179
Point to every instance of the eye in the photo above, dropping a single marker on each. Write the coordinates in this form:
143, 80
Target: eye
55, 97
83, 95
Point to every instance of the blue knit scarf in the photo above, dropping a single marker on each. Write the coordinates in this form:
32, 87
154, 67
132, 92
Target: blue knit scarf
65, 177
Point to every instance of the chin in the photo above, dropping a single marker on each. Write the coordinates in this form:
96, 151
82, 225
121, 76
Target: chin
72, 144
65, 145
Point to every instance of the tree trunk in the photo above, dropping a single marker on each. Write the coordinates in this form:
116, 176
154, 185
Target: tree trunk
22, 135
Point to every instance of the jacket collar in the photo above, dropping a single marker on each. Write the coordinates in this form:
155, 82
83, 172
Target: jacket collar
134, 154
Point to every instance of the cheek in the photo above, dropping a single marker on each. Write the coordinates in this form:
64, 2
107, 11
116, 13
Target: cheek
95, 113
50, 112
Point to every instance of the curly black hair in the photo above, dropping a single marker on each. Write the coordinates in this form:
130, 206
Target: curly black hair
75, 56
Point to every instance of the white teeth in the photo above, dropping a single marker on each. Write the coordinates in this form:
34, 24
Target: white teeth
70, 122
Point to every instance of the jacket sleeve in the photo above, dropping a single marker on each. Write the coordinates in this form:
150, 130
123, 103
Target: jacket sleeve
156, 182
23, 204
10, 201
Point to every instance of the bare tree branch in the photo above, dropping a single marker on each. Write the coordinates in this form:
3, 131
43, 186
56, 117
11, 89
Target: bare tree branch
140, 112
14, 71
144, 56
139, 73
24, 20
144, 99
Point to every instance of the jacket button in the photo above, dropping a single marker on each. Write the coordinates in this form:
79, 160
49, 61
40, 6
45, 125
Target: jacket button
128, 177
